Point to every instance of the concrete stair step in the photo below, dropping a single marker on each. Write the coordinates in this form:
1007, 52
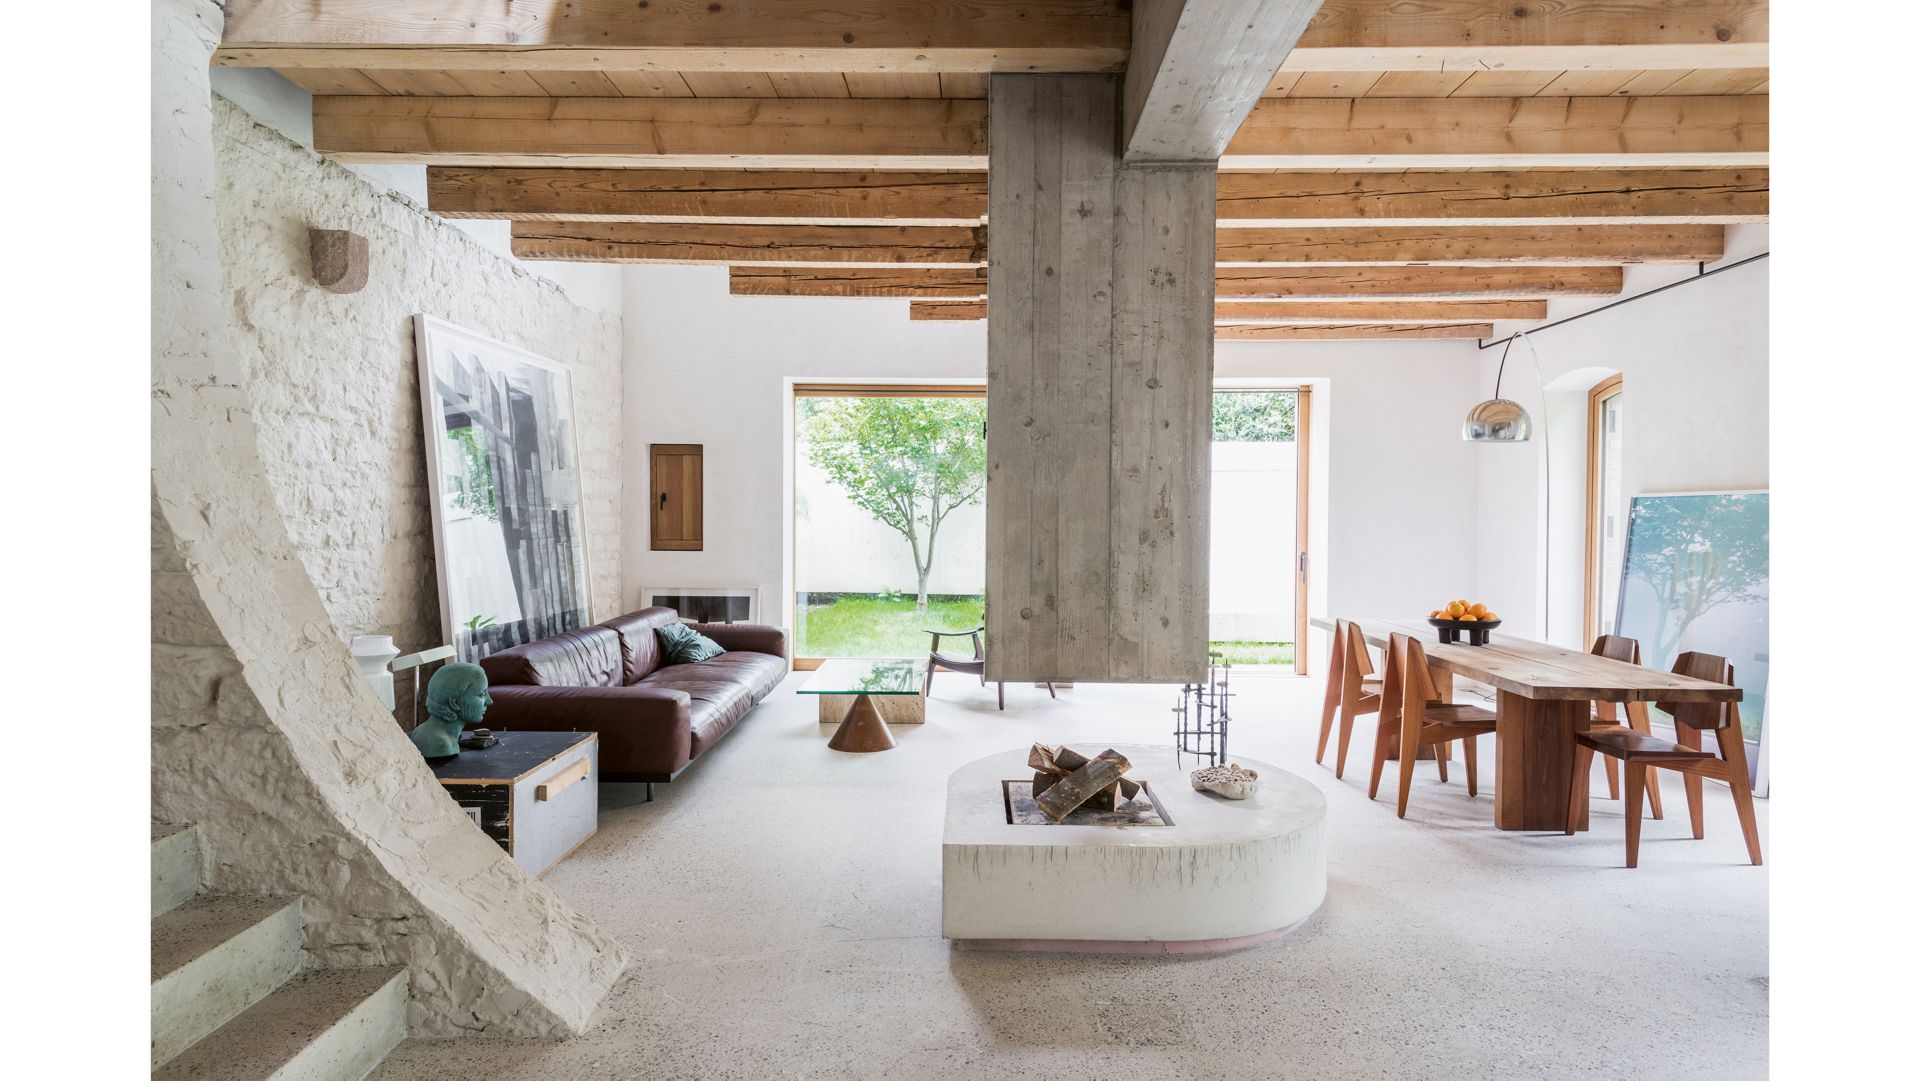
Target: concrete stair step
212, 958
175, 864
324, 1025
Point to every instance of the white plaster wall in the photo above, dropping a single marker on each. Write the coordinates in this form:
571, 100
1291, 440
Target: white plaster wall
1251, 576
1392, 510
1694, 364
335, 381
287, 108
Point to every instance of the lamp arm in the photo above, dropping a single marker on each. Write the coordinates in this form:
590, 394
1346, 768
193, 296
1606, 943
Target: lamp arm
1546, 479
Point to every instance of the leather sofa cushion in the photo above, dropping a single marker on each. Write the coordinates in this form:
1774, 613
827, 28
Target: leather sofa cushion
722, 690
639, 645
588, 657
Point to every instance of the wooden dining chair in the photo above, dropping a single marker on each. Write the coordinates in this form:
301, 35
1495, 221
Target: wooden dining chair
1425, 719
1639, 754
1616, 647
1352, 690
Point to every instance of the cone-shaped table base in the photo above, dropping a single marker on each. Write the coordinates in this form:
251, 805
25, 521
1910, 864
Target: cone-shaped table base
863, 730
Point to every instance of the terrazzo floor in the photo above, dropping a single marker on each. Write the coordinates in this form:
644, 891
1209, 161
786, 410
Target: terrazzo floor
782, 902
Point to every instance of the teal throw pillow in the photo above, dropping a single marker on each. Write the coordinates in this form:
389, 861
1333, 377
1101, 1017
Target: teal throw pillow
681, 644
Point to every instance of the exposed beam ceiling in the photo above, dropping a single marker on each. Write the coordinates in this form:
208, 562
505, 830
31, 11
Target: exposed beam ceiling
698, 133
932, 246
1501, 133
1198, 67
802, 197
1298, 311
884, 36
1267, 283
1373, 331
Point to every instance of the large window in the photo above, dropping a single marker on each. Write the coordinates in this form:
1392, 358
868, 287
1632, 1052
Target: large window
889, 527
1606, 505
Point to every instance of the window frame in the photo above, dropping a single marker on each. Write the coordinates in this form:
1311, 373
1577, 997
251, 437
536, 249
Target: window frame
1597, 398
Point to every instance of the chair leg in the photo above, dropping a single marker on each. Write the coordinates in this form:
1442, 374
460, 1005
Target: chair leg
926, 687
1330, 702
1638, 720
1582, 764
1653, 795
1346, 736
1409, 753
1440, 757
1050, 693
1471, 749
1695, 809
1636, 787
1003, 693
1379, 755
1613, 776
1742, 785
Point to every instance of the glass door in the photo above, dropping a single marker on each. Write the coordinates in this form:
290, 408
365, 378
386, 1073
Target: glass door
1258, 568
889, 523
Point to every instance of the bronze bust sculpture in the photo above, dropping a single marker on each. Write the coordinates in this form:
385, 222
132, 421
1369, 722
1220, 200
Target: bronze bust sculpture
456, 697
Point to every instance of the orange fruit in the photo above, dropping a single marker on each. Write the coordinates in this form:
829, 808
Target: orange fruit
1489, 618
1469, 618
1478, 610
1457, 609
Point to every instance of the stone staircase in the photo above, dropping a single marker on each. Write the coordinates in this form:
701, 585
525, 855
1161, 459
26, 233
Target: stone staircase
230, 998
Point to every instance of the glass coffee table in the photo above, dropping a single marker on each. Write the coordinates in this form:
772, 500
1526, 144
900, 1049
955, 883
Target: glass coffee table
863, 695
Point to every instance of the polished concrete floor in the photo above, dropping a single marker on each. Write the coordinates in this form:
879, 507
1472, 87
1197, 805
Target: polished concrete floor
782, 902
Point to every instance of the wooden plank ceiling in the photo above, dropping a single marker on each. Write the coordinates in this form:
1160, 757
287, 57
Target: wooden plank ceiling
1410, 171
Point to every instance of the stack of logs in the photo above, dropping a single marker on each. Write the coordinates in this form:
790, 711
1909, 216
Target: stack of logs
1065, 780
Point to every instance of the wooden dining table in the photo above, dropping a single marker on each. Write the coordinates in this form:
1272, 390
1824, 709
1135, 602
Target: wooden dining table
1543, 696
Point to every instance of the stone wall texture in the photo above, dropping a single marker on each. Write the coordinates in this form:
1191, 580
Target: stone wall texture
335, 385
263, 732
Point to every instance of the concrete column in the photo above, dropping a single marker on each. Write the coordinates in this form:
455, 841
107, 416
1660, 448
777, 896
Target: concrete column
1099, 391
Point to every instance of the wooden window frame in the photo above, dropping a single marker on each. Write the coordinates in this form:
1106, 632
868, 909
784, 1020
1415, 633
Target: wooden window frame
1596, 452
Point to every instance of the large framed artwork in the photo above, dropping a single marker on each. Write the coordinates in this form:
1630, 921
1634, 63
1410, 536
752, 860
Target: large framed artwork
1695, 577
508, 531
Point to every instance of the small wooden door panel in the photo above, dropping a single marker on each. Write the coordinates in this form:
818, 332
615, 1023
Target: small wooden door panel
678, 512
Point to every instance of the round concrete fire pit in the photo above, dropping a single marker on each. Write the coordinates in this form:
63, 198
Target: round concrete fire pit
1221, 875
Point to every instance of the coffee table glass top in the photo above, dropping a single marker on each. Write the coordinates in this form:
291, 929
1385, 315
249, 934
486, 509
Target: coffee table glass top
864, 676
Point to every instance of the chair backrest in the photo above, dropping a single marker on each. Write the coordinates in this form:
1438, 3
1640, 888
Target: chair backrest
1701, 715
1616, 647
1355, 662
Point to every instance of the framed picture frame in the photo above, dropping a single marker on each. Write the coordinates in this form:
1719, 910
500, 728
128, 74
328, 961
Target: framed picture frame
503, 471
705, 604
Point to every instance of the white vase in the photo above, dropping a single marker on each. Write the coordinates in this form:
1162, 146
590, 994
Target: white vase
373, 652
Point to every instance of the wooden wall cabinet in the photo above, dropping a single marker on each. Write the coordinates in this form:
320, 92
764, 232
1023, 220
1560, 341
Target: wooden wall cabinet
678, 510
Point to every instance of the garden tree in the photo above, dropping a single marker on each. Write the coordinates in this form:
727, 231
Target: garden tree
1253, 416
907, 461
1696, 561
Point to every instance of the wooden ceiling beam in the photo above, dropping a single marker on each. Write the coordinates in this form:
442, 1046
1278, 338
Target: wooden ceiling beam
1265, 283
879, 246
1297, 311
1471, 245
1351, 332
1501, 133
887, 37
883, 246
1477, 197
731, 196
712, 133
1198, 68
1512, 35
879, 36
1547, 197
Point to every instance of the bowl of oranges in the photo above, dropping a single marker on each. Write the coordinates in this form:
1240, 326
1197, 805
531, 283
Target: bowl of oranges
1477, 620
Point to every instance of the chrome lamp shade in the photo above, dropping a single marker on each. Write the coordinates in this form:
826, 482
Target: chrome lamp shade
1497, 420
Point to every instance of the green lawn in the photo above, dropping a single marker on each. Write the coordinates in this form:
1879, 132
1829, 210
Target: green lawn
877, 626
874, 626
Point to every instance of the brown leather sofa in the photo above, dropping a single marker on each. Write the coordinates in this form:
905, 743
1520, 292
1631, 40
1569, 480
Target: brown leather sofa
607, 678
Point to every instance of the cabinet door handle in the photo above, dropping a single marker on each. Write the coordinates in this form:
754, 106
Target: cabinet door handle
663, 501
563, 780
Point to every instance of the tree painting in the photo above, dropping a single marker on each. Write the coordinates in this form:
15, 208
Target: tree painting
908, 462
1696, 555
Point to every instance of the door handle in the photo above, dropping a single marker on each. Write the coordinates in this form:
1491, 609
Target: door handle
663, 501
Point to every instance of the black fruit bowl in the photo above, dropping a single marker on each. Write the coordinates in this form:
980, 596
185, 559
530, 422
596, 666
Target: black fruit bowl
1476, 629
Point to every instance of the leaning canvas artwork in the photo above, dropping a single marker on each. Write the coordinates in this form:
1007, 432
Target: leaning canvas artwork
1695, 577
507, 520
